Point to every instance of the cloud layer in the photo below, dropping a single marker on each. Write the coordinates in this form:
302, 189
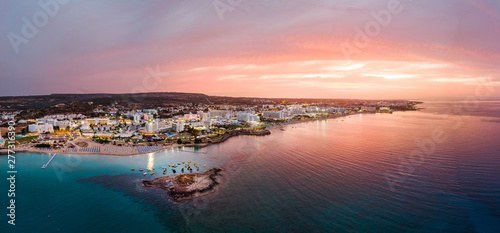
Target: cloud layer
264, 48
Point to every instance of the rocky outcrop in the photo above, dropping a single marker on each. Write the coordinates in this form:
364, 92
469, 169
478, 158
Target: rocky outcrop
187, 186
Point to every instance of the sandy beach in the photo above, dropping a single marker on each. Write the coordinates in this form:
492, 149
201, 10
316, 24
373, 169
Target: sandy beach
93, 148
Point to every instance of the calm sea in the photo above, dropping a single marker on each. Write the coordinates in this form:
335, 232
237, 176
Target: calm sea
434, 170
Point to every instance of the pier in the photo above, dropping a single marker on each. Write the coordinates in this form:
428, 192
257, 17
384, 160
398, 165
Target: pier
50, 160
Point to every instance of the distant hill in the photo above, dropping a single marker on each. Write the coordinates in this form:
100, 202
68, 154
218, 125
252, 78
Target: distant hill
83, 103
143, 100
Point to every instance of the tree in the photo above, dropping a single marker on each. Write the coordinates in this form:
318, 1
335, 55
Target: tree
194, 132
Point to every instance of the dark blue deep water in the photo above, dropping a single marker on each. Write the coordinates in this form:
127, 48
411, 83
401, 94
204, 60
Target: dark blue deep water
434, 170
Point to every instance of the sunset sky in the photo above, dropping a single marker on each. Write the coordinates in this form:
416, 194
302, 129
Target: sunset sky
261, 48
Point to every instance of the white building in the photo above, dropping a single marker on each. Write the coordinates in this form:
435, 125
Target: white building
97, 121
103, 134
179, 126
85, 127
248, 117
221, 113
207, 122
297, 111
163, 125
64, 124
150, 111
385, 109
312, 109
8, 117
152, 127
88, 133
203, 115
274, 114
41, 128
137, 117
127, 134
367, 108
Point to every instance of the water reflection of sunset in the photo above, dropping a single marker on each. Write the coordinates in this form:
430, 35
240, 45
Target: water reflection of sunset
151, 160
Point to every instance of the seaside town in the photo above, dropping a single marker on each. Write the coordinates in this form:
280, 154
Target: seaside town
120, 130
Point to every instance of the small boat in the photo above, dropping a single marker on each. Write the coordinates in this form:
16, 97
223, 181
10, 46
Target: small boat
153, 168
149, 170
169, 165
140, 169
173, 170
182, 170
183, 162
204, 165
144, 173
152, 173
132, 169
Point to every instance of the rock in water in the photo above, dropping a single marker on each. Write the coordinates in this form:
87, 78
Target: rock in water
187, 186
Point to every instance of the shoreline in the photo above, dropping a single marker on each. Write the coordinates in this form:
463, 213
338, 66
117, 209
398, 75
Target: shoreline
318, 119
33, 150
222, 139
235, 133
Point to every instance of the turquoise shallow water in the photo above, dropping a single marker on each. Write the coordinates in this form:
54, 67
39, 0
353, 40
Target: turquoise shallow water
353, 174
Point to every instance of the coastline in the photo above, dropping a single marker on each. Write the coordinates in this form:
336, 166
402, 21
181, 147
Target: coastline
96, 145
235, 133
222, 139
318, 119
